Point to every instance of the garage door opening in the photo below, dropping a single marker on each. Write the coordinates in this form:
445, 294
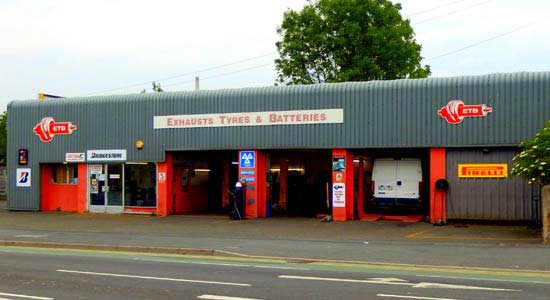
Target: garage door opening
298, 182
202, 180
392, 182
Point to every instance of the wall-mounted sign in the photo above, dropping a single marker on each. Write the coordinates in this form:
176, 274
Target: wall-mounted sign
264, 118
23, 176
338, 195
483, 170
75, 157
338, 164
455, 111
23, 157
247, 159
48, 128
162, 177
106, 155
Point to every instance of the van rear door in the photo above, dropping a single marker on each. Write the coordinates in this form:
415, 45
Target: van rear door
383, 177
408, 178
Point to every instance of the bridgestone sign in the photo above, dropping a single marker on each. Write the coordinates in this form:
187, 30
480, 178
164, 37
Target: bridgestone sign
264, 118
106, 155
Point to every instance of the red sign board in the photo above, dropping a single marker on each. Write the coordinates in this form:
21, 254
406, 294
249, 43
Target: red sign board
48, 128
455, 111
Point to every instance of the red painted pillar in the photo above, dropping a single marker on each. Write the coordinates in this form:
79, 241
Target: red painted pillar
438, 205
283, 184
361, 189
82, 191
45, 184
342, 185
165, 180
252, 169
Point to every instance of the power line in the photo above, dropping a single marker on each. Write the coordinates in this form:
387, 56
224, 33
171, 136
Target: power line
222, 74
451, 13
480, 42
181, 75
435, 8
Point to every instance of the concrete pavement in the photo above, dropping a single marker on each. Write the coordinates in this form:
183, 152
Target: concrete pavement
485, 246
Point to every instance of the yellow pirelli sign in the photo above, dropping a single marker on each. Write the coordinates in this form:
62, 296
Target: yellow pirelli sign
482, 170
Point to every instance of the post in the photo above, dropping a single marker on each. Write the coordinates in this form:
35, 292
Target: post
283, 184
342, 185
438, 205
252, 169
545, 216
165, 179
361, 189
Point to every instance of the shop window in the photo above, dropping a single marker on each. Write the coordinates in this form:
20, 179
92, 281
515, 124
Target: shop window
65, 174
140, 185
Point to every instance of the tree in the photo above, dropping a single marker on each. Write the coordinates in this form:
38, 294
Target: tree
157, 88
533, 163
347, 40
3, 137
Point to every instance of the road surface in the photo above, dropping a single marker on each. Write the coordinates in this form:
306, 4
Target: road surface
43, 274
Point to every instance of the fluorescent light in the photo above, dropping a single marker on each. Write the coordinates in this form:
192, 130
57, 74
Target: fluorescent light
290, 169
202, 170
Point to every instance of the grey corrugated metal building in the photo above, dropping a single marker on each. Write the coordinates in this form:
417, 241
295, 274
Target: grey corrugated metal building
494, 113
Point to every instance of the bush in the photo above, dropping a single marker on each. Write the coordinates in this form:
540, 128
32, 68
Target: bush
533, 163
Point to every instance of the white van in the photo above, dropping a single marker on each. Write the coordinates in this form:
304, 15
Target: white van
397, 181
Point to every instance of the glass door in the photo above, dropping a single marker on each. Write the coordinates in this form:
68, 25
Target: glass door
106, 188
115, 188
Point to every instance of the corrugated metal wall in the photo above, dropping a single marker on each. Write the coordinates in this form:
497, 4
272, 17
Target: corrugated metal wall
486, 198
378, 114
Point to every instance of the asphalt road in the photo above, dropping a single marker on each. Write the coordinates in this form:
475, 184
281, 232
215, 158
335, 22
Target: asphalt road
61, 274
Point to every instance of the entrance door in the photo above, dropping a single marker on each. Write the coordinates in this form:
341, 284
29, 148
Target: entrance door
106, 188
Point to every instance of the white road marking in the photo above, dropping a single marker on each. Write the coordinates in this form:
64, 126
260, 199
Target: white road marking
154, 278
31, 235
405, 283
217, 297
413, 297
221, 264
485, 279
388, 279
25, 296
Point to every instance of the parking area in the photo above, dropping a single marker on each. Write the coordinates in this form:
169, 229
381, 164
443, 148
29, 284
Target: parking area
290, 228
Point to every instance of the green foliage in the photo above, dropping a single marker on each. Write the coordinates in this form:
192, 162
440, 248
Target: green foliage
3, 137
347, 40
533, 163
157, 88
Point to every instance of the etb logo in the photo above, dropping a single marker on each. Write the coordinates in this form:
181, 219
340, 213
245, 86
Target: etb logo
247, 159
23, 177
48, 128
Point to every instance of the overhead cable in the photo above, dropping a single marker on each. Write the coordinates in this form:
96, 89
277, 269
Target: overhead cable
181, 75
480, 42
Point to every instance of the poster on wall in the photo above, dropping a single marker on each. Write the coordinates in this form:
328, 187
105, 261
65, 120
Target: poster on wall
23, 177
96, 169
338, 195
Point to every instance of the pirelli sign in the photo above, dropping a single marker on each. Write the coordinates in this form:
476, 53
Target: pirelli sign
482, 170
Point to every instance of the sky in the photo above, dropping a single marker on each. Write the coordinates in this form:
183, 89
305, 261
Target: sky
85, 48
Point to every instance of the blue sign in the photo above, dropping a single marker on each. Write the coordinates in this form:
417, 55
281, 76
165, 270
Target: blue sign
247, 159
